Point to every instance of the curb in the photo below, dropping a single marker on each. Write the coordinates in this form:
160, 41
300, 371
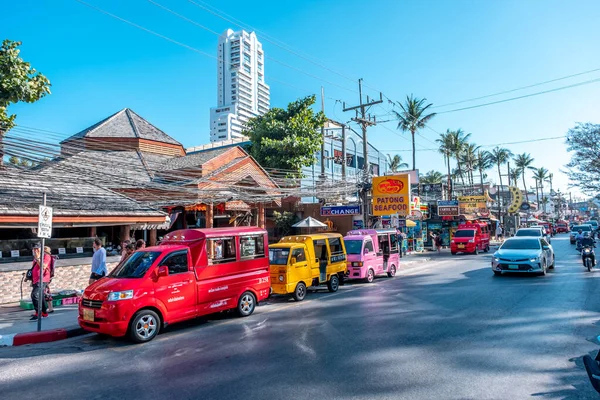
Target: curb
21, 339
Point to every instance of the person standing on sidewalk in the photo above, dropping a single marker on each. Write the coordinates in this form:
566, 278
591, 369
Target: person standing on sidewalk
37, 285
98, 262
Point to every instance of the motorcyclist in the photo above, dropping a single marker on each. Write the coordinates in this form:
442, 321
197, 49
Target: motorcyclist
588, 241
579, 238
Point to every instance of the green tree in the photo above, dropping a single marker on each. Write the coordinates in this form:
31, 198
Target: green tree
431, 177
446, 147
284, 221
500, 156
468, 158
484, 162
540, 175
584, 168
18, 83
412, 118
287, 139
523, 162
396, 163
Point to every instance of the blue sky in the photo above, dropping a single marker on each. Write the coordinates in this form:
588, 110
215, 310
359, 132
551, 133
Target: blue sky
446, 51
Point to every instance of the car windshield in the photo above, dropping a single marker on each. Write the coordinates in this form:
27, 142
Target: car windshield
585, 228
136, 265
463, 233
529, 232
353, 246
278, 256
521, 244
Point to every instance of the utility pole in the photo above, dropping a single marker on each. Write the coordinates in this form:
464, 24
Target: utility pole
344, 152
364, 123
323, 137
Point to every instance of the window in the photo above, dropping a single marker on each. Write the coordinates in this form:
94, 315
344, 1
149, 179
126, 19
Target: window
233, 74
222, 130
252, 246
220, 250
246, 68
176, 262
260, 78
222, 123
233, 97
299, 255
394, 243
233, 91
246, 58
260, 67
260, 56
278, 256
135, 266
335, 245
369, 246
233, 86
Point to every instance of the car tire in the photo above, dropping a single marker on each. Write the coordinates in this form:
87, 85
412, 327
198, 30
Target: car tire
144, 326
544, 269
370, 276
300, 292
476, 252
246, 304
497, 273
553, 262
453, 253
487, 248
334, 283
392, 272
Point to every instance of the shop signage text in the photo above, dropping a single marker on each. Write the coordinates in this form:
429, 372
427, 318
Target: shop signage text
448, 208
329, 211
391, 195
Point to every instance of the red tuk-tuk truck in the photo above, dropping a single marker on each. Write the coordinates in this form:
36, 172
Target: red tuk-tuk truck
471, 237
193, 272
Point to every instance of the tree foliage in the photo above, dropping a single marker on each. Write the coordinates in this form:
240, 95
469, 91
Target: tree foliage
396, 163
287, 139
284, 221
18, 82
431, 177
412, 118
584, 168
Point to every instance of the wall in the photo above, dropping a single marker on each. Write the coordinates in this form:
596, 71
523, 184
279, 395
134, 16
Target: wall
66, 276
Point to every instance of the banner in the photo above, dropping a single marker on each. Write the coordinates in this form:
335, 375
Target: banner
432, 189
391, 195
472, 205
448, 208
332, 211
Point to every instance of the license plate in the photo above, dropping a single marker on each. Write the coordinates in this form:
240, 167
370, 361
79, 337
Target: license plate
513, 266
461, 246
88, 315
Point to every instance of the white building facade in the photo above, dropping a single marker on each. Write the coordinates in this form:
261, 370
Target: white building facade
241, 89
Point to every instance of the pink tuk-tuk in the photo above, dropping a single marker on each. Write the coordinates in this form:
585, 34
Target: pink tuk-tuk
372, 252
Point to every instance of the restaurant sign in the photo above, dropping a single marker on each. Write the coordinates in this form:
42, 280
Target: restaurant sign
448, 208
333, 211
391, 195
472, 205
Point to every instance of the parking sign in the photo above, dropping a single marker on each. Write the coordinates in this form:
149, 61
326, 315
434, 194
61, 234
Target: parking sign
45, 222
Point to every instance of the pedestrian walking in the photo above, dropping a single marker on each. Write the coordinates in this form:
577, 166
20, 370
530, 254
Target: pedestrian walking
499, 232
37, 285
438, 242
140, 244
47, 291
98, 262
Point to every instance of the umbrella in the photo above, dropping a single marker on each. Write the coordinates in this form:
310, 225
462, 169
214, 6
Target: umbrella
309, 222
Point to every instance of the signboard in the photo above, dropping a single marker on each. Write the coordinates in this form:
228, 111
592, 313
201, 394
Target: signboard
79, 250
357, 224
15, 253
448, 208
45, 222
401, 223
432, 189
472, 205
62, 250
333, 211
415, 203
391, 195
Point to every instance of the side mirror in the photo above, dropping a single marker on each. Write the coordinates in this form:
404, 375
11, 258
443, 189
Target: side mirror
163, 271
366, 251
293, 260
546, 247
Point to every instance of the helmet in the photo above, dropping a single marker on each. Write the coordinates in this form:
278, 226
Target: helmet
581, 230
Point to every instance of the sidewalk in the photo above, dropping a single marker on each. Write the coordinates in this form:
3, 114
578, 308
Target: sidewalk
16, 328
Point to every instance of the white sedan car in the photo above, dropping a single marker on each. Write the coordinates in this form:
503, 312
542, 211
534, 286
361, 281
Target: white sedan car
523, 255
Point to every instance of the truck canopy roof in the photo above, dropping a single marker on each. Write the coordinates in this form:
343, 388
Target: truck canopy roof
192, 235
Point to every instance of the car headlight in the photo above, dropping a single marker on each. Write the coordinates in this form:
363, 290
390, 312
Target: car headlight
472, 241
533, 259
496, 259
124, 295
280, 278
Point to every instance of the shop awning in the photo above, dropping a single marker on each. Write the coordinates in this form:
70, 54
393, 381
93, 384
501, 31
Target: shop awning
410, 223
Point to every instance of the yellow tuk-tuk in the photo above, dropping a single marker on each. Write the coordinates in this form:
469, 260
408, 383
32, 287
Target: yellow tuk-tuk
307, 260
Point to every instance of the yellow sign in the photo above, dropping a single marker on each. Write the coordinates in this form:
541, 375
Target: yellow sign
391, 195
517, 199
472, 205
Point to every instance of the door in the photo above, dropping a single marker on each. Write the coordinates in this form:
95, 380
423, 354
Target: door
384, 251
300, 269
177, 291
322, 255
546, 252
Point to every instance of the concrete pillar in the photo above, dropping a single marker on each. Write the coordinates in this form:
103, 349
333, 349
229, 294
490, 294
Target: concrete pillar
261, 215
93, 231
152, 235
209, 215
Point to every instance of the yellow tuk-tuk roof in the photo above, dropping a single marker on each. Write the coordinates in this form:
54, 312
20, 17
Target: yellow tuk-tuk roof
309, 237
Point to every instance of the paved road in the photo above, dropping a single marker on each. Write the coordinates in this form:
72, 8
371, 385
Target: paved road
446, 330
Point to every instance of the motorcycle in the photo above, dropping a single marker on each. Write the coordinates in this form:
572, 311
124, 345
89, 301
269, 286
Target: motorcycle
588, 257
593, 370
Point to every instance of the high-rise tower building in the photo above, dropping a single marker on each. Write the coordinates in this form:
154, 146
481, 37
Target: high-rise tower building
241, 89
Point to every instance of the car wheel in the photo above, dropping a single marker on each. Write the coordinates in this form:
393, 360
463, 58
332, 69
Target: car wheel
553, 262
487, 248
476, 252
300, 292
144, 326
246, 304
370, 276
392, 271
453, 253
543, 273
334, 283
497, 273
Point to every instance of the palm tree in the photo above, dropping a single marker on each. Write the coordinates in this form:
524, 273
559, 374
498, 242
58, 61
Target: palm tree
545, 201
431, 177
412, 118
484, 162
500, 156
446, 148
396, 163
523, 162
514, 174
549, 180
540, 175
469, 159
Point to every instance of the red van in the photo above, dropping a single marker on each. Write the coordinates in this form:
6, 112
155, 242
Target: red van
471, 237
193, 272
